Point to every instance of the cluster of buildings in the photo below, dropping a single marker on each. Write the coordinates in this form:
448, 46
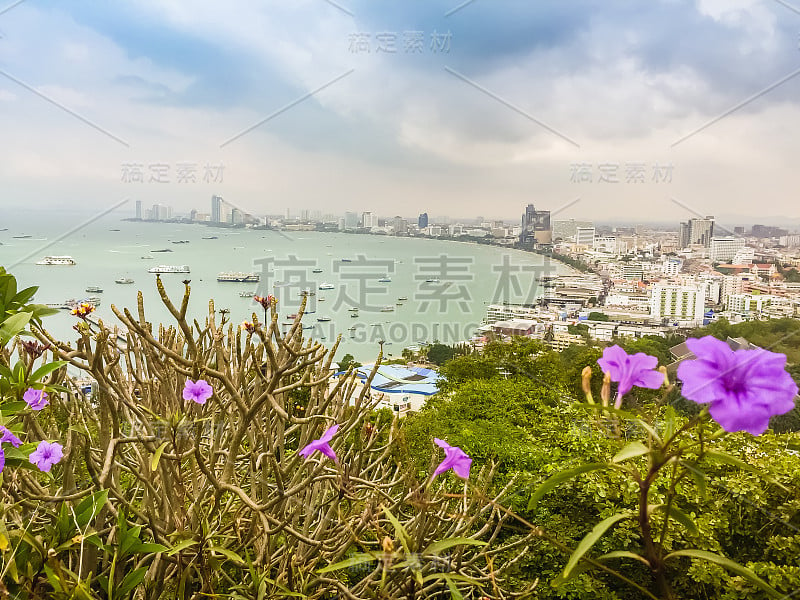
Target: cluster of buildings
641, 281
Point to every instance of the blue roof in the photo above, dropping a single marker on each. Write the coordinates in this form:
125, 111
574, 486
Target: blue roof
397, 379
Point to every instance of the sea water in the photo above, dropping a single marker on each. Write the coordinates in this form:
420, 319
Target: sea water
448, 285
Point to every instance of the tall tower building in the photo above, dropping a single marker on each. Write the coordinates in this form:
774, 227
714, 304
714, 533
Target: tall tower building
138, 209
422, 221
697, 231
535, 227
216, 209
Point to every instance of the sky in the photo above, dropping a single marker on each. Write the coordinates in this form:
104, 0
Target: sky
606, 110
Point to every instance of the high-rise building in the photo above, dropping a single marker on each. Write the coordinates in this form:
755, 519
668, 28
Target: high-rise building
217, 213
350, 220
676, 303
697, 231
535, 227
237, 218
584, 236
400, 225
369, 220
138, 209
723, 249
422, 221
766, 231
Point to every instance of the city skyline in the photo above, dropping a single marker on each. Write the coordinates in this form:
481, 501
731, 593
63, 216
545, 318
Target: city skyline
447, 108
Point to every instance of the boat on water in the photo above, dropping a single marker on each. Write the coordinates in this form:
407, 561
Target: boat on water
308, 327
72, 303
327, 286
57, 260
316, 271
292, 317
21, 237
169, 269
210, 237
165, 250
346, 260
93, 289
389, 308
123, 280
181, 242
308, 293
353, 309
246, 294
146, 257
238, 277
432, 280
385, 279
354, 315
402, 299
323, 319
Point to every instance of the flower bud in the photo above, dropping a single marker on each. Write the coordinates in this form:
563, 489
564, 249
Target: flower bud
586, 383
605, 391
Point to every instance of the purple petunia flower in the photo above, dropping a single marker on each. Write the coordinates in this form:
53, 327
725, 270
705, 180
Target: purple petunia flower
2, 459
455, 458
46, 455
322, 445
630, 370
36, 399
7, 436
745, 388
199, 391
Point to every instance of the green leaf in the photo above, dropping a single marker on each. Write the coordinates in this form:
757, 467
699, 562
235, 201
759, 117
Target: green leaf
157, 456
699, 480
731, 566
23, 296
131, 580
726, 458
46, 370
89, 507
590, 540
669, 422
229, 554
623, 554
554, 481
454, 593
356, 559
182, 545
399, 529
632, 450
148, 548
437, 548
13, 325
678, 515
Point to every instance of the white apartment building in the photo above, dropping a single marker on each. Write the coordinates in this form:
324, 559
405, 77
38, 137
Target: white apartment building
671, 267
606, 244
682, 304
723, 249
745, 256
507, 312
584, 236
756, 305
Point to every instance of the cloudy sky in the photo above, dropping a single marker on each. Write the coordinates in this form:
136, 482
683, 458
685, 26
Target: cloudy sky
648, 110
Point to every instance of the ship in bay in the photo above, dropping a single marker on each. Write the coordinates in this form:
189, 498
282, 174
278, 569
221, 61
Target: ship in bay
238, 277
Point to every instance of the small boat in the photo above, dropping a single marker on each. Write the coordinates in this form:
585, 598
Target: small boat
432, 280
181, 242
123, 280
389, 308
94, 289
146, 257
343, 260
353, 309
210, 237
320, 299
166, 250
317, 271
21, 237
308, 327
113, 229
353, 328
327, 286
308, 293
246, 294
354, 315
399, 303
323, 319
169, 269
402, 299
292, 317
385, 279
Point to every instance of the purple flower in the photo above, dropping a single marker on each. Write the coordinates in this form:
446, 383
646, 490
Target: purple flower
36, 399
630, 370
198, 391
2, 459
745, 388
8, 436
46, 455
455, 458
322, 445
